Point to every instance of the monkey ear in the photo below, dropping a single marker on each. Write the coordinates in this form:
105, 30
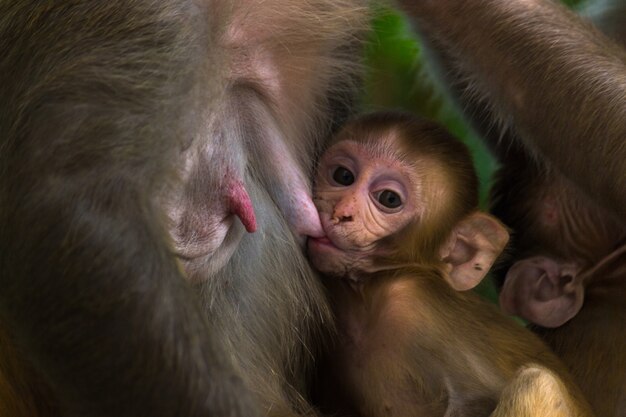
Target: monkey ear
543, 291
471, 250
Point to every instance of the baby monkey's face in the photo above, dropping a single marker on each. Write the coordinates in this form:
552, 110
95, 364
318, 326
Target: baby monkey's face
362, 197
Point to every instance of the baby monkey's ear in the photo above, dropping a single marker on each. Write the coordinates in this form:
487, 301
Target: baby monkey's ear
474, 245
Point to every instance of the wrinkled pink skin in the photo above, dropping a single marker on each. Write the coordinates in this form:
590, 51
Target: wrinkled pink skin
293, 195
353, 220
206, 231
240, 205
297, 206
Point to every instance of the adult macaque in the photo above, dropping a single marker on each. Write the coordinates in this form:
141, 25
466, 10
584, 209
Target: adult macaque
569, 262
134, 133
402, 239
551, 80
139, 138
568, 277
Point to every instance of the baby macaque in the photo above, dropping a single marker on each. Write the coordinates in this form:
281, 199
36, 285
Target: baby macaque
568, 276
403, 240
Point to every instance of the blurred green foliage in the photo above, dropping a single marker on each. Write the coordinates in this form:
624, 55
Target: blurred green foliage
396, 78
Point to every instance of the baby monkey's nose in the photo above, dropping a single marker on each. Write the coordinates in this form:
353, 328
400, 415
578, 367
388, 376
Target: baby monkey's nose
341, 219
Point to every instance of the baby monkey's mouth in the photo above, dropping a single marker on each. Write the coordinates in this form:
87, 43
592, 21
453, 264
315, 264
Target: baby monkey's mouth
323, 241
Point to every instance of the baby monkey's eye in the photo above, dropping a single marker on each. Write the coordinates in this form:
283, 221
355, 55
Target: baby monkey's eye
343, 176
389, 199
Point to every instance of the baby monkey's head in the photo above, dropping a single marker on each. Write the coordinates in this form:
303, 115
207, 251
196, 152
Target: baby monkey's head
394, 189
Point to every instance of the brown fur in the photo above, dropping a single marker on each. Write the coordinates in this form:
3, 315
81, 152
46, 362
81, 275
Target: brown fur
118, 122
420, 334
410, 344
570, 95
551, 216
570, 228
591, 344
23, 391
119, 126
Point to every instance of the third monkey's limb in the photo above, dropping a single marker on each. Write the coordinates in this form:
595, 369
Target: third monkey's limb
536, 391
546, 74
